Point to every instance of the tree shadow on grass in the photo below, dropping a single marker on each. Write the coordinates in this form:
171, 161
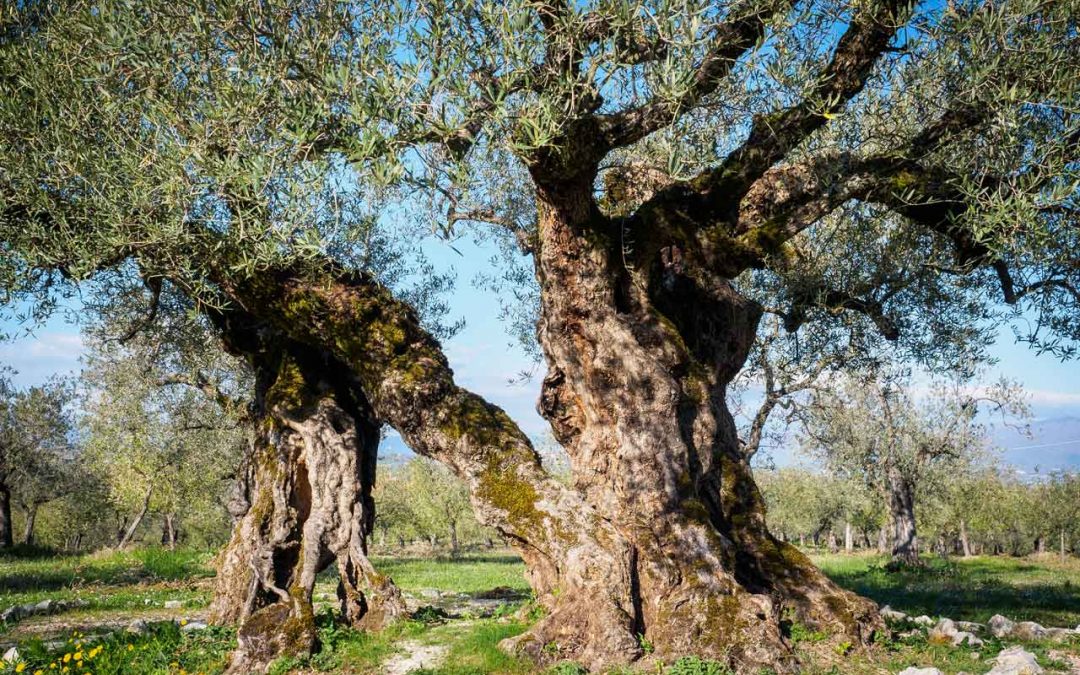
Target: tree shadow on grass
974, 591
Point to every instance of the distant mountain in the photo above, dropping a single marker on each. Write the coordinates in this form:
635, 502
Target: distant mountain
1054, 445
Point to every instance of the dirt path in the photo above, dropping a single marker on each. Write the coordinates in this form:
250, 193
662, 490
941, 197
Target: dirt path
416, 656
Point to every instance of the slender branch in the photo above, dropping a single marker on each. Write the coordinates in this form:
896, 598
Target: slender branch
742, 29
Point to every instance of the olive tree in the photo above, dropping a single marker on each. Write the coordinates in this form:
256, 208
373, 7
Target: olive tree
874, 430
913, 166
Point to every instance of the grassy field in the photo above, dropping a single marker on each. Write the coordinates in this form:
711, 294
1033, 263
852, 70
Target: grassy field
117, 588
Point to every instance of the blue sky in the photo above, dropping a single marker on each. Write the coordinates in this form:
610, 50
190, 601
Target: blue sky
486, 362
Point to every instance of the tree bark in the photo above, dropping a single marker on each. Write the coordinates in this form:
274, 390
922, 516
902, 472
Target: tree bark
663, 535
28, 527
849, 539
6, 534
965, 544
168, 531
902, 513
310, 505
132, 528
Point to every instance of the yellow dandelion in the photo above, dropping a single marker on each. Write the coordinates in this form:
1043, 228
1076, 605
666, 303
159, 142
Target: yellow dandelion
131, 648
39, 671
183, 622
67, 657
21, 667
78, 664
78, 656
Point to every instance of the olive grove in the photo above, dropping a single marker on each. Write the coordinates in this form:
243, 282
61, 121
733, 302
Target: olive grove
902, 176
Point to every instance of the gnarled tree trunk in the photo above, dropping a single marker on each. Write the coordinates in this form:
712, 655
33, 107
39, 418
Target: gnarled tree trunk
309, 505
663, 538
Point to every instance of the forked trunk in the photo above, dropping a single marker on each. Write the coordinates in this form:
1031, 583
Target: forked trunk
663, 540
168, 531
636, 394
6, 535
902, 512
310, 505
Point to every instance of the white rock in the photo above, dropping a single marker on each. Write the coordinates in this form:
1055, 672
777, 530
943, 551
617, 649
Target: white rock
44, 607
920, 671
1028, 630
943, 632
11, 655
173, 604
1000, 626
890, 614
193, 625
970, 626
1060, 634
963, 637
1015, 661
138, 627
13, 613
924, 620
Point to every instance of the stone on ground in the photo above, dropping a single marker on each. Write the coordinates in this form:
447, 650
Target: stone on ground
892, 615
1028, 630
920, 671
1000, 626
943, 632
1015, 661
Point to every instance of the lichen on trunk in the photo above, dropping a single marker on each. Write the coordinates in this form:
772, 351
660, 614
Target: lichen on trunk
309, 506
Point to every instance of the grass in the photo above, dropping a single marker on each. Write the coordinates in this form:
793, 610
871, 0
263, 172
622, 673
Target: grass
1045, 590
111, 580
128, 584
471, 573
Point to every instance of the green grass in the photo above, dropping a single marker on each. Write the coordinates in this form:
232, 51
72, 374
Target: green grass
974, 589
164, 649
108, 580
472, 573
1043, 590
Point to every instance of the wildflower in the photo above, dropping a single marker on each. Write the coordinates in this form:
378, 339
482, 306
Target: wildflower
39, 671
183, 622
67, 657
131, 648
78, 655
21, 667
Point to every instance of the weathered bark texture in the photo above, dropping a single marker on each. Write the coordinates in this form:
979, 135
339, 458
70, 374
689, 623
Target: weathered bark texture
965, 544
902, 515
309, 505
6, 535
663, 539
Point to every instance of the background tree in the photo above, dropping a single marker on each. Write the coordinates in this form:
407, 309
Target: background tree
872, 429
36, 451
869, 157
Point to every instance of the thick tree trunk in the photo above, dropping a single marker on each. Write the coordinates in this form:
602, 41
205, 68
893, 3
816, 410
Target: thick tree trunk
883, 539
7, 539
310, 505
28, 526
965, 544
129, 532
663, 539
849, 538
902, 513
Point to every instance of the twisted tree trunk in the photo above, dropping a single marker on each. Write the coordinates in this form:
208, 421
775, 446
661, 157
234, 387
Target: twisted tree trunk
662, 539
312, 471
